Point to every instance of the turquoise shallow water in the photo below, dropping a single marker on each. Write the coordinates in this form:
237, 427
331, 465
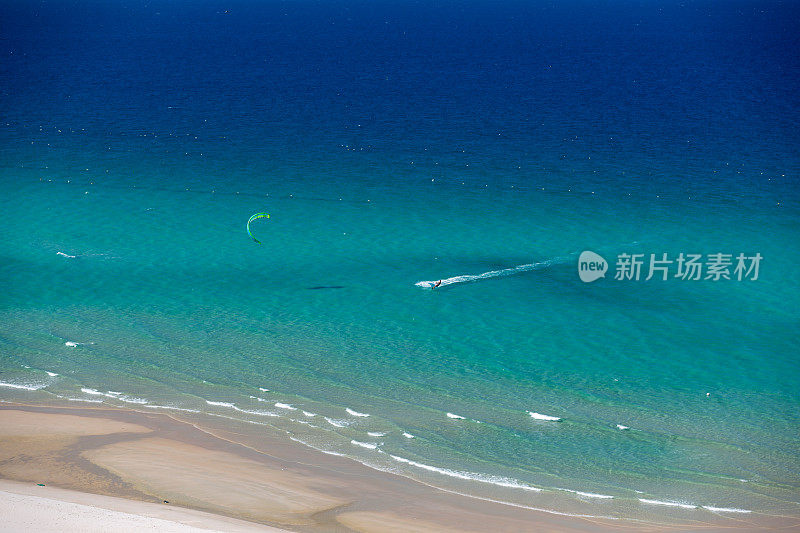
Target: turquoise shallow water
385, 161
172, 305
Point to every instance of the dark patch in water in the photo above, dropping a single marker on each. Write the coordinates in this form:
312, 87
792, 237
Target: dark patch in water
319, 287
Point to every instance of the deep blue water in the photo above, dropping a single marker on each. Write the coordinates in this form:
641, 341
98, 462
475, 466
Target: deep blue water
394, 143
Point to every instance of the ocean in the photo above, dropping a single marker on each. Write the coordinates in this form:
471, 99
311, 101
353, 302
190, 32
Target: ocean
395, 144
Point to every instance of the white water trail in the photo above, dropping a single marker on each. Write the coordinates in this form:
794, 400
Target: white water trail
468, 278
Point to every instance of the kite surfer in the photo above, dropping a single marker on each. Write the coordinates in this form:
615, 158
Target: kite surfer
437, 284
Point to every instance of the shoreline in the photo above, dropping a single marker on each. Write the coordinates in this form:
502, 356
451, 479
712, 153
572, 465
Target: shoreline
149, 458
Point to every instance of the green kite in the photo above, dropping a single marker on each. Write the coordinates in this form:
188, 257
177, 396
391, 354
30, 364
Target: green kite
252, 218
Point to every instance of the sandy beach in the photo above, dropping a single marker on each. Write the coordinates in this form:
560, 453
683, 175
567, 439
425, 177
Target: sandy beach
126, 470
29, 507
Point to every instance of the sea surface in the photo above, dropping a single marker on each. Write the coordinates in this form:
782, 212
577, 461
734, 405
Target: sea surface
395, 144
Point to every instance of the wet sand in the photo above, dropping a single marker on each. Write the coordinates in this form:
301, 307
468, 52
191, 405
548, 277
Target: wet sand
120, 466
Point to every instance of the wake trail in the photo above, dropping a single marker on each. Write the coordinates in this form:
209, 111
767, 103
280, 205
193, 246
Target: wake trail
469, 278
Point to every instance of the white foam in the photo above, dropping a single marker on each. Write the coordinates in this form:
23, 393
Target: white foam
725, 509
171, 407
258, 413
470, 476
114, 395
408, 435
21, 386
376, 434
262, 399
262, 389
539, 416
451, 415
285, 406
128, 399
337, 454
620, 426
84, 400
66, 255
246, 411
238, 419
669, 504
466, 278
309, 414
589, 494
337, 423
368, 445
51, 374
220, 404
550, 511
355, 413
73, 344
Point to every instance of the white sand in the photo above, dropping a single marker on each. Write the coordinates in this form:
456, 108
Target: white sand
27, 507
